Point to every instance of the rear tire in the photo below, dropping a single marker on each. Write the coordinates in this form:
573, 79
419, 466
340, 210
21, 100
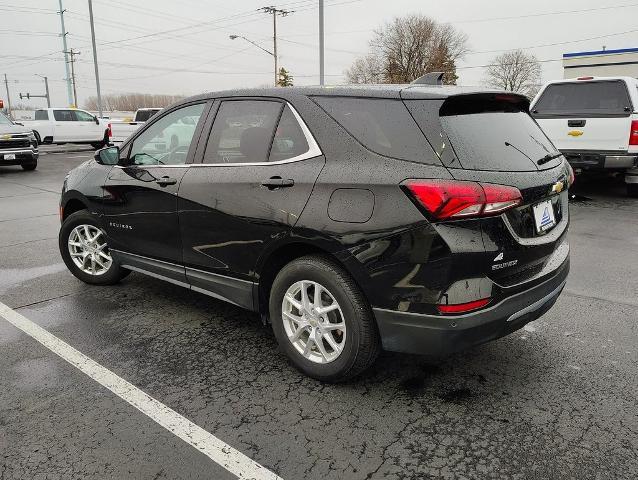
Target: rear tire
30, 166
348, 351
632, 190
74, 248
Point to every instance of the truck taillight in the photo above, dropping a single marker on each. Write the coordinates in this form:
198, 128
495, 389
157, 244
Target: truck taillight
109, 131
633, 133
452, 199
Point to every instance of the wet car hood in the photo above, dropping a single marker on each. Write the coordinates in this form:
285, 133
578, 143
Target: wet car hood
11, 129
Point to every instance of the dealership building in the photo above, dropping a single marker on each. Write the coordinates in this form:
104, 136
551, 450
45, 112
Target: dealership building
601, 63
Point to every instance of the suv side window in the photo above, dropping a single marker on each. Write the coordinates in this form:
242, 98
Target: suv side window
382, 125
41, 115
82, 116
243, 131
290, 140
167, 141
63, 115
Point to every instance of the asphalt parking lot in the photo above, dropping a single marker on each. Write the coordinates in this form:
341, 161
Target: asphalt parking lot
558, 399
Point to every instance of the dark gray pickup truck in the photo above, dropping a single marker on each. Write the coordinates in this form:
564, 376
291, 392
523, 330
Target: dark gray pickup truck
18, 145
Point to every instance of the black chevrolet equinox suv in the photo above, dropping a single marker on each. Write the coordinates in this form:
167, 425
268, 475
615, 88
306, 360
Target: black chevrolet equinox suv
421, 219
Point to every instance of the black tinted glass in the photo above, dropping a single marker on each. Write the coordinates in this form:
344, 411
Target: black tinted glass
242, 132
290, 140
144, 115
41, 115
381, 125
504, 141
63, 115
597, 98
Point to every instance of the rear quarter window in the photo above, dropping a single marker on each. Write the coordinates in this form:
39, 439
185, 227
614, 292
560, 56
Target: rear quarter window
41, 115
383, 126
600, 98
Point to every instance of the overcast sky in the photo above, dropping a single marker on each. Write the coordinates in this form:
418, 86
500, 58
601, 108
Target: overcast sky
183, 46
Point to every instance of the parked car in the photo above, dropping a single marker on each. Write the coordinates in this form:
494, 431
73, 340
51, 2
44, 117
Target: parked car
120, 131
18, 145
594, 122
410, 218
68, 125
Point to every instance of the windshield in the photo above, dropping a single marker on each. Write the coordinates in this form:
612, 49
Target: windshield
4, 120
598, 98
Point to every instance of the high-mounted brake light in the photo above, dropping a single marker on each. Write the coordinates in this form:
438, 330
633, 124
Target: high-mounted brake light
585, 78
451, 199
463, 307
633, 133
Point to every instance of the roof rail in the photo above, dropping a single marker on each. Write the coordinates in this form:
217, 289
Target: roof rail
432, 78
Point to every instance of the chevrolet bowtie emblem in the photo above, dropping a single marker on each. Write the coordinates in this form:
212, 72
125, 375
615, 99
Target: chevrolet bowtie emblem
558, 187
575, 133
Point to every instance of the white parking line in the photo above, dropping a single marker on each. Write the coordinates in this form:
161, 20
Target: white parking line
218, 451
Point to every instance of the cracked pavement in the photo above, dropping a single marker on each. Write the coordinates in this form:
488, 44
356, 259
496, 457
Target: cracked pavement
555, 400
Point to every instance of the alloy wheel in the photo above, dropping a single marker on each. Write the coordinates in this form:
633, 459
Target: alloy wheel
313, 321
88, 250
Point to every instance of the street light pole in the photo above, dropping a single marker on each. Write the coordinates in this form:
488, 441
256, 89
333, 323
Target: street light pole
97, 74
275, 11
66, 55
321, 45
6, 85
46, 89
233, 37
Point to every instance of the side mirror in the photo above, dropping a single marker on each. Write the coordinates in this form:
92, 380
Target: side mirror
108, 156
97, 120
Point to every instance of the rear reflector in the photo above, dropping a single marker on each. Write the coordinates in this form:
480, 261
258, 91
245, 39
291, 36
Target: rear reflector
633, 133
463, 307
449, 199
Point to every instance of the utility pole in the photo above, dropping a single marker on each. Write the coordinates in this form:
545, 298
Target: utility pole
73, 53
66, 58
6, 85
321, 45
97, 74
275, 11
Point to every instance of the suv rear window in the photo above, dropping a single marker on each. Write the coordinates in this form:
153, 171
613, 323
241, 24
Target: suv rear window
586, 98
144, 115
487, 131
382, 125
41, 115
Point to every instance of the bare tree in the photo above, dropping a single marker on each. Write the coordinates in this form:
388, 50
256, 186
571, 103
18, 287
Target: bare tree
515, 71
407, 48
127, 102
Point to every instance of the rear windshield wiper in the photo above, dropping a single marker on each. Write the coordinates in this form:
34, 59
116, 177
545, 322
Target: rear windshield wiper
548, 158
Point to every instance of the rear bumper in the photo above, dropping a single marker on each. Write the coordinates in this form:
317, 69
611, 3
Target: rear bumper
600, 160
441, 335
22, 155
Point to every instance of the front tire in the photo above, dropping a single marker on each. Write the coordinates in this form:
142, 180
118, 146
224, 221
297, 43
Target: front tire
30, 166
85, 252
322, 321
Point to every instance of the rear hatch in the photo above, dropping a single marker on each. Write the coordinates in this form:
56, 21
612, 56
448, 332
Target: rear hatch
491, 139
588, 115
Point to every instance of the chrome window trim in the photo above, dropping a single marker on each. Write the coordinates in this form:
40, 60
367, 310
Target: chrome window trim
312, 152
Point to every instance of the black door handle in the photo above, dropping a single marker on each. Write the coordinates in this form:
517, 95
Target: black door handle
164, 181
576, 123
277, 182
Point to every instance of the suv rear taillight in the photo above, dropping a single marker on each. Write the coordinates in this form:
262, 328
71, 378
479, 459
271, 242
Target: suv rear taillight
633, 133
451, 199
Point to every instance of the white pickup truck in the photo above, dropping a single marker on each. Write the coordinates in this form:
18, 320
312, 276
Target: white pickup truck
120, 131
68, 125
593, 121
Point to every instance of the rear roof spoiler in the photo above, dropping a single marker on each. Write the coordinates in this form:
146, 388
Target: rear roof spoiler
432, 78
